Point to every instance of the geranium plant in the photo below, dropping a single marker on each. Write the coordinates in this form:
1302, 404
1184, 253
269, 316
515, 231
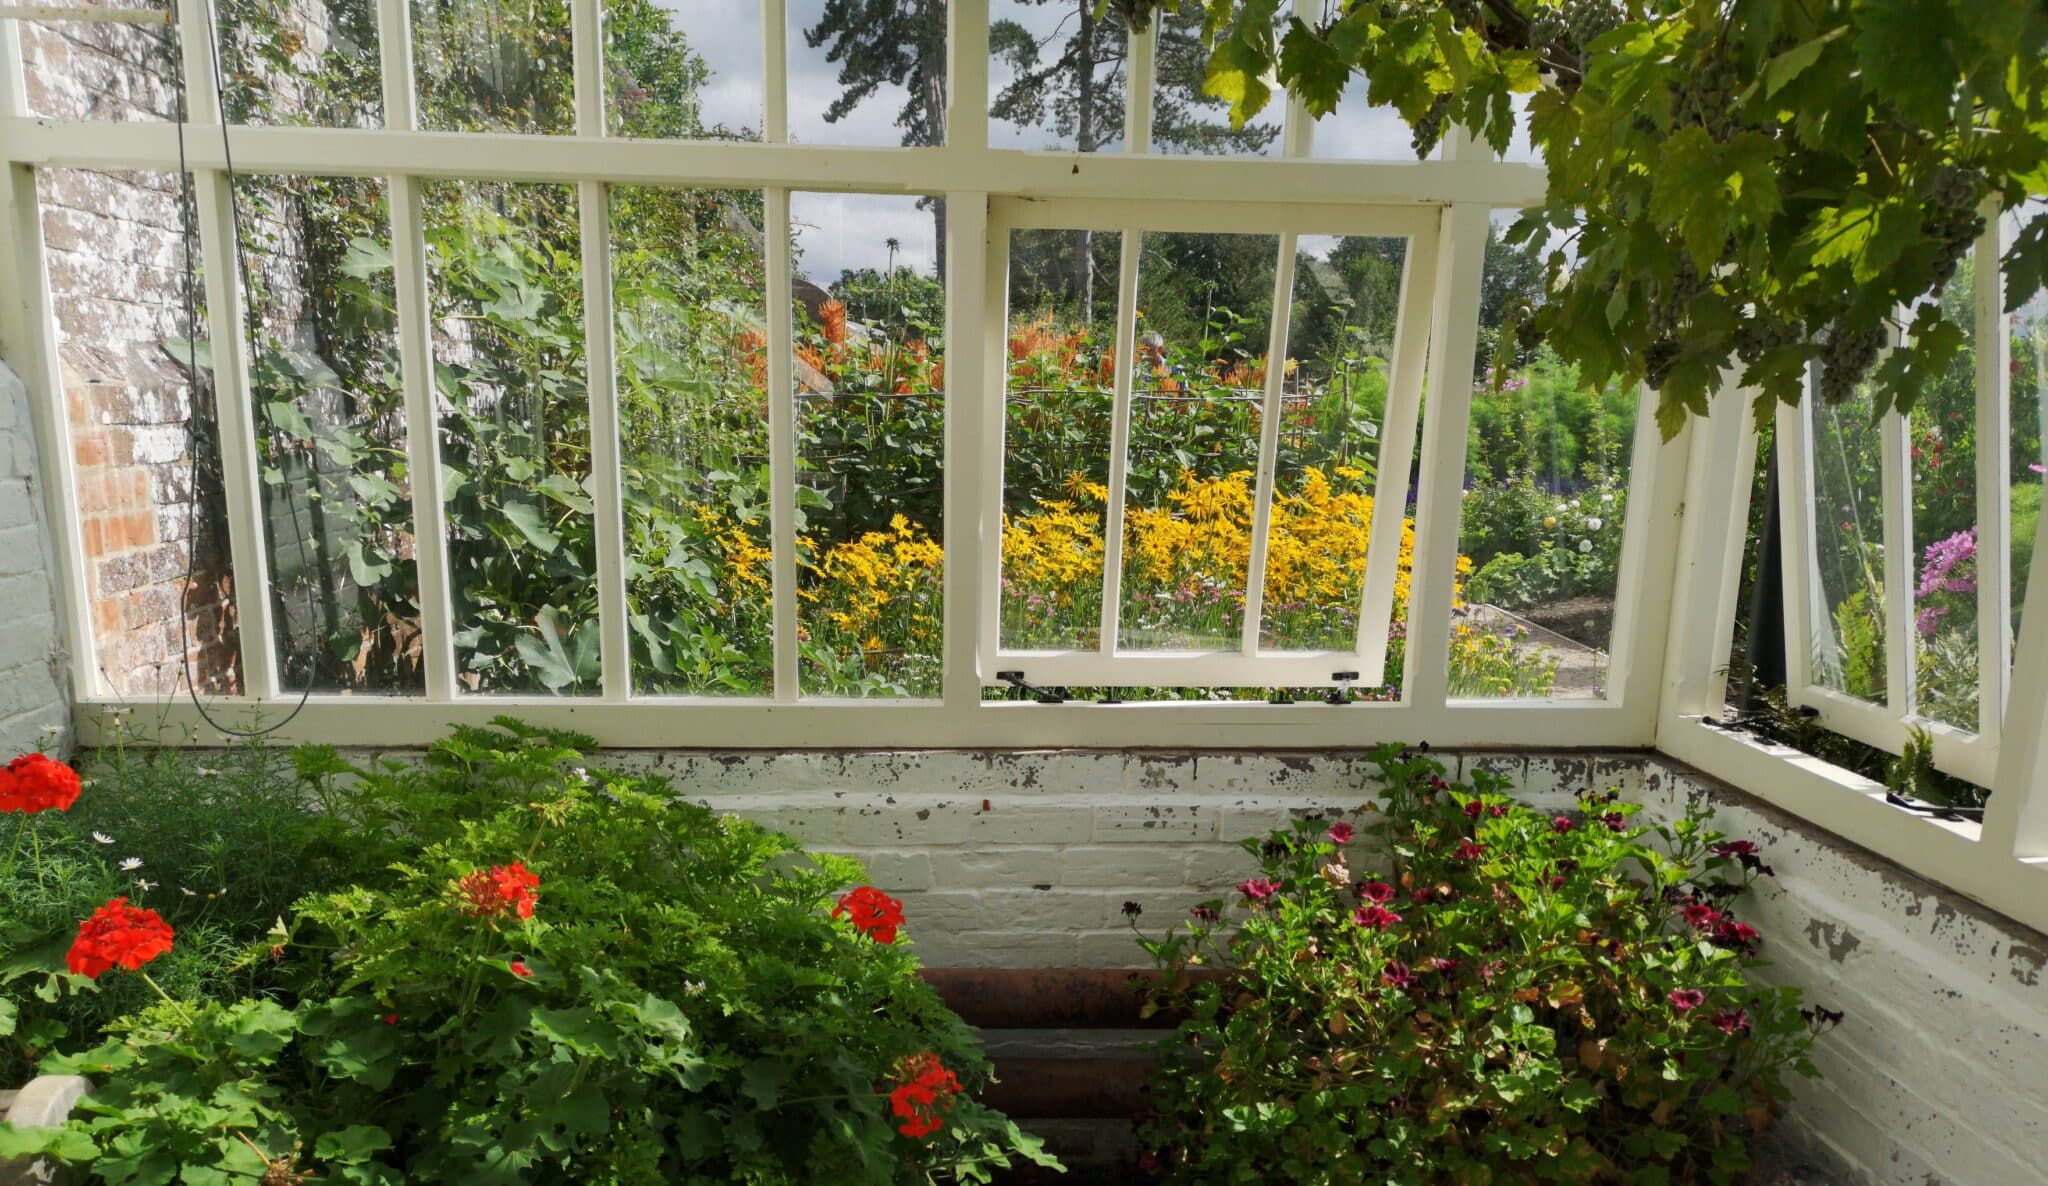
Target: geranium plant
1491, 995
558, 975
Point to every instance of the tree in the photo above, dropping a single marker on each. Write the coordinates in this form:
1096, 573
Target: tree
901, 42
1766, 184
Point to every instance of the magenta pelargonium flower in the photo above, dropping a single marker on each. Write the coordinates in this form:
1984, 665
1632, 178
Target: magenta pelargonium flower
1374, 917
1948, 566
1686, 999
1341, 833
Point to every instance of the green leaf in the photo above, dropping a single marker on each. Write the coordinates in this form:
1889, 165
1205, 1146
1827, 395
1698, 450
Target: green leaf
1793, 62
1903, 48
528, 520
761, 1081
352, 1144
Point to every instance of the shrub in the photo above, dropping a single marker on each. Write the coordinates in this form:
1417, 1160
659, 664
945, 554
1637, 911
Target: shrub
557, 975
1514, 998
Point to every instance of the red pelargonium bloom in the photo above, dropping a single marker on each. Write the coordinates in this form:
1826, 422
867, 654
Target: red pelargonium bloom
1398, 975
1686, 999
118, 936
1615, 821
1258, 889
1468, 851
1732, 1021
923, 1093
1374, 917
1377, 891
1736, 848
1341, 833
502, 889
1700, 916
1560, 824
1474, 809
519, 968
872, 912
37, 782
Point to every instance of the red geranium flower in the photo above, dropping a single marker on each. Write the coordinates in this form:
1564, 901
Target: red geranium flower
872, 912
1615, 821
503, 889
1375, 917
1341, 833
923, 1093
1258, 889
118, 936
1732, 1021
519, 968
37, 782
1468, 851
1701, 916
1686, 999
1377, 891
1474, 809
1398, 975
1561, 824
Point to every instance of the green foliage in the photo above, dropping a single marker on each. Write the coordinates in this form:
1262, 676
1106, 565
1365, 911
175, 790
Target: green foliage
1763, 185
679, 1007
1509, 1000
1859, 642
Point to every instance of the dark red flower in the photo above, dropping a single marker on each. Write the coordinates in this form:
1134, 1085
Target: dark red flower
1206, 914
1686, 999
1258, 889
1438, 963
1398, 975
1615, 821
502, 889
1732, 1021
391, 1019
1736, 848
1700, 916
1419, 894
1376, 891
1468, 851
1474, 809
1561, 824
1497, 811
872, 913
923, 1093
1375, 917
1739, 936
1341, 833
37, 782
118, 936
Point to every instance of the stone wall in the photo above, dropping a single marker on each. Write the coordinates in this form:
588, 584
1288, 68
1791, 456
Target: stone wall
1938, 1077
35, 676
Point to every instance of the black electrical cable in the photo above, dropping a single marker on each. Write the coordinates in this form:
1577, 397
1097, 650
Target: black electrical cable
186, 204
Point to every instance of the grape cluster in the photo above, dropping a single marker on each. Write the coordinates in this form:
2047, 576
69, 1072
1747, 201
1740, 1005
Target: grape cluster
1846, 356
1658, 360
1429, 130
1707, 98
1757, 336
1953, 222
1547, 28
1668, 309
1586, 19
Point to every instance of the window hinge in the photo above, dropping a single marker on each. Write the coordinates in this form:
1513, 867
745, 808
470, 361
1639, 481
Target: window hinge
1341, 694
1017, 681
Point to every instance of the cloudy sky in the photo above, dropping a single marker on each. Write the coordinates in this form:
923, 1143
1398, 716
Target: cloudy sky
841, 231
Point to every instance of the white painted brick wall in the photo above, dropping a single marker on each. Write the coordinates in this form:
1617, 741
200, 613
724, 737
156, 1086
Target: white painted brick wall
1938, 1077
32, 661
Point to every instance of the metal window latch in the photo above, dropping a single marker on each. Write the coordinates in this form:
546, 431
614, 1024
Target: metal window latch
1341, 694
1935, 810
1043, 695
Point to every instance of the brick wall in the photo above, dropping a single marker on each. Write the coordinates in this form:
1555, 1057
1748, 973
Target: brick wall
34, 677
1938, 1077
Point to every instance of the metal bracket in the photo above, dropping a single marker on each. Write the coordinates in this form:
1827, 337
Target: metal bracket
1043, 695
1341, 694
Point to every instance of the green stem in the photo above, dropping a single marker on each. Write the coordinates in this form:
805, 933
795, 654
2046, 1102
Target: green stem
183, 1013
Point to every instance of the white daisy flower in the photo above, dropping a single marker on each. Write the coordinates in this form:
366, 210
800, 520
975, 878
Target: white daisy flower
131, 864
102, 838
144, 884
186, 892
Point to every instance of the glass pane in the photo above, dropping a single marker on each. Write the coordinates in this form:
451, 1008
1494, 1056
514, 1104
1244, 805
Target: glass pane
1056, 76
504, 265
1941, 433
870, 386
330, 415
1848, 534
1347, 294
101, 70
693, 416
493, 66
151, 509
1056, 433
1205, 307
1358, 131
2027, 344
301, 63
1185, 119
683, 69
867, 73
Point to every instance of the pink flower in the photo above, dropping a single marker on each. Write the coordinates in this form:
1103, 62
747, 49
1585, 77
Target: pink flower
1615, 821
1686, 999
1397, 975
1258, 889
1375, 917
1700, 916
1474, 809
1341, 833
1561, 824
1468, 851
1732, 1021
1376, 891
